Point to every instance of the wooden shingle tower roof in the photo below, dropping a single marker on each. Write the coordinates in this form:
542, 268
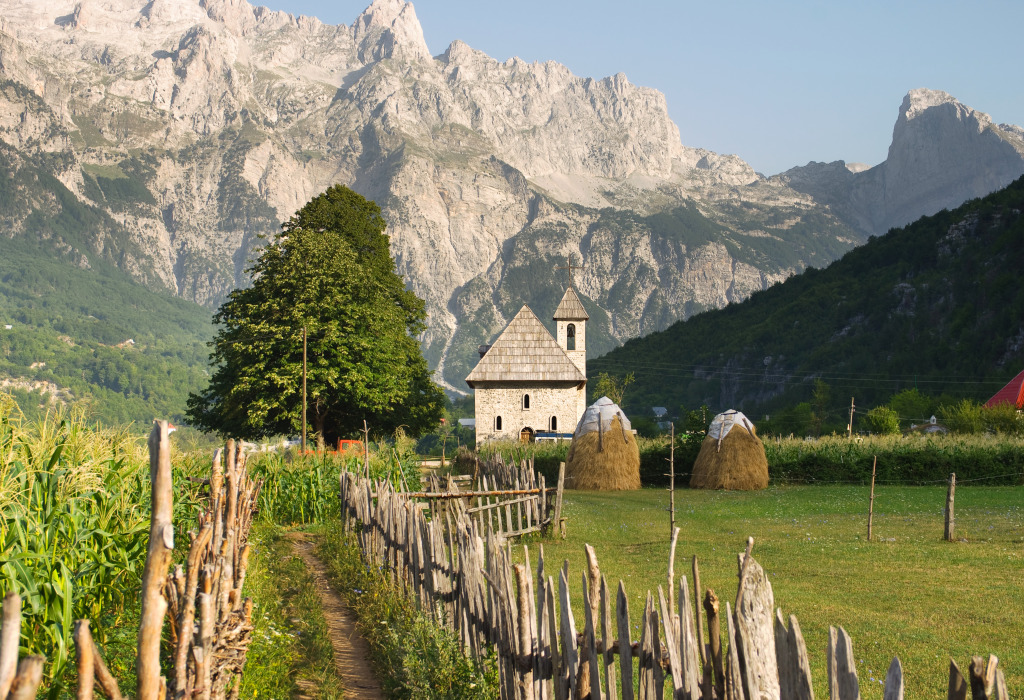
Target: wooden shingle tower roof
570, 308
526, 352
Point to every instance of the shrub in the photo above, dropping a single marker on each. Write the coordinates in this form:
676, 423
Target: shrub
883, 420
1004, 419
967, 416
911, 459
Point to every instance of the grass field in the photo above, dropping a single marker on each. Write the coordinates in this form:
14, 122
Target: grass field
907, 593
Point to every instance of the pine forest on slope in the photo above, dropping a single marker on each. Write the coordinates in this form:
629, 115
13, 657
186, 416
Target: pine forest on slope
936, 305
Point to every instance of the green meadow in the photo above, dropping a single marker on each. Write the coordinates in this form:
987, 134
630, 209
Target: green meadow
906, 593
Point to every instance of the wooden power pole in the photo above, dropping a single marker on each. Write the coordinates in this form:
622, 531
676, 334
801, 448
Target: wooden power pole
849, 427
303, 390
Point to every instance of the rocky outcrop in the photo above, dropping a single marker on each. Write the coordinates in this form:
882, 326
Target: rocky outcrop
942, 153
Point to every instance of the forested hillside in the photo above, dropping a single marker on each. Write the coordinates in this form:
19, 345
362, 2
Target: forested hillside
936, 305
96, 336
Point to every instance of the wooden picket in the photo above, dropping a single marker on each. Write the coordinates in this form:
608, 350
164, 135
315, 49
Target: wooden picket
460, 569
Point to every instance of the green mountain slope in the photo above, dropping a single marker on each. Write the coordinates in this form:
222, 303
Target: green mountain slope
69, 333
938, 305
71, 310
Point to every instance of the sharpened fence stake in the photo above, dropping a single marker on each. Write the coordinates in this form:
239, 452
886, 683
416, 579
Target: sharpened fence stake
950, 517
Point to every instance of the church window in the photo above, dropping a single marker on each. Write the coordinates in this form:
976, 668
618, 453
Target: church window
570, 337
497, 422
526, 401
554, 423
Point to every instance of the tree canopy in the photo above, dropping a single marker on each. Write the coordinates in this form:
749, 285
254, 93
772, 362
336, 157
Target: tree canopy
329, 270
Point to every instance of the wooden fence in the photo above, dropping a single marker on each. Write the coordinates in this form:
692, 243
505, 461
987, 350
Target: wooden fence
508, 497
209, 653
461, 572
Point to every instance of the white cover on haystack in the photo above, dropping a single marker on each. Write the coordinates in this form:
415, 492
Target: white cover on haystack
724, 422
603, 410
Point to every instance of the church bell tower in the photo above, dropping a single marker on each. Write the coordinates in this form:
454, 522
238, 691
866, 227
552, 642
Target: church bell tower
571, 322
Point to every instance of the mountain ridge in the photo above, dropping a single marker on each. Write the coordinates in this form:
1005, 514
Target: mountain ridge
198, 126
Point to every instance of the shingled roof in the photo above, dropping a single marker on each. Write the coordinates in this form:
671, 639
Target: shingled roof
525, 352
570, 308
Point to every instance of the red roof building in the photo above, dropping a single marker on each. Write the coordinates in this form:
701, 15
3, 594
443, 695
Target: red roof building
1012, 393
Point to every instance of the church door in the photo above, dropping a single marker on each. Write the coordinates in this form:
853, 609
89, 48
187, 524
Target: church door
526, 435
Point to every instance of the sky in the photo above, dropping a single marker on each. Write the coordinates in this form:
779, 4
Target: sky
777, 82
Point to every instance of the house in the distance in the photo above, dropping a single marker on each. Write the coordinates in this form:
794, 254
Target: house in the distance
1012, 393
527, 382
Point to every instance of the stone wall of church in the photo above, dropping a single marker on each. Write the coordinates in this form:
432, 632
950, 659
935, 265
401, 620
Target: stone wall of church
565, 403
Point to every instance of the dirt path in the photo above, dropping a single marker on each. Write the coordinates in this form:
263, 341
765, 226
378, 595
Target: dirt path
351, 652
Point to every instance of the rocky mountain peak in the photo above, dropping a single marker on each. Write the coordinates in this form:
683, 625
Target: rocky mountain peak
388, 29
942, 152
935, 106
920, 99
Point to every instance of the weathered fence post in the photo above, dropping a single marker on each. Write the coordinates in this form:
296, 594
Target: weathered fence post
950, 517
10, 634
894, 681
85, 659
18, 681
871, 503
672, 486
842, 668
161, 546
957, 684
715, 641
557, 522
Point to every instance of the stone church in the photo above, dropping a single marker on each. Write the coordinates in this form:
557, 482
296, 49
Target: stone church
528, 383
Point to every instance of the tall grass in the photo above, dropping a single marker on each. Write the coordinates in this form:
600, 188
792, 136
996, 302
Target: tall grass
412, 655
291, 647
303, 489
74, 520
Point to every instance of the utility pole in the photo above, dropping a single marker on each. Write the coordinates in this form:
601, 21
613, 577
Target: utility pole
672, 479
303, 390
849, 427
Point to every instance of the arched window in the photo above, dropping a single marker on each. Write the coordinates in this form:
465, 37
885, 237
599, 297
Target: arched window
554, 424
570, 337
526, 401
497, 422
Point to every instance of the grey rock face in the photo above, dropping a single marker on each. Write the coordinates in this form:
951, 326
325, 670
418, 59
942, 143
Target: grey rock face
942, 153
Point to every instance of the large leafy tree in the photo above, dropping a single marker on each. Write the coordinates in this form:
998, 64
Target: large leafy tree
329, 270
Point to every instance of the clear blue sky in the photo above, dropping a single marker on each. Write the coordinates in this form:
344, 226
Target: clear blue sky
777, 82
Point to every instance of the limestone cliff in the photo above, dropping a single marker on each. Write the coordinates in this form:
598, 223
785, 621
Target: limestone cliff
942, 153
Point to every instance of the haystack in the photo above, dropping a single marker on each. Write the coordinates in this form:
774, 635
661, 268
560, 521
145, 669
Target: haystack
603, 455
732, 456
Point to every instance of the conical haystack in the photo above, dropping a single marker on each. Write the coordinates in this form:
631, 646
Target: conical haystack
732, 457
604, 455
